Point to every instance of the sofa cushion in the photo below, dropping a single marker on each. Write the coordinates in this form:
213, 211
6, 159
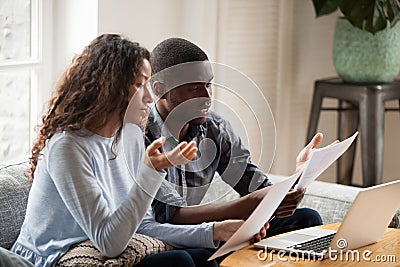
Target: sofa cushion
13, 200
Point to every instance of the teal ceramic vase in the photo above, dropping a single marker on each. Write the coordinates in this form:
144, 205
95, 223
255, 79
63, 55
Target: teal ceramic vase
363, 57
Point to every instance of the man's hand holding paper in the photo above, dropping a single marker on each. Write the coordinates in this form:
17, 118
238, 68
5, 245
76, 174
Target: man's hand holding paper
290, 203
320, 159
294, 197
305, 153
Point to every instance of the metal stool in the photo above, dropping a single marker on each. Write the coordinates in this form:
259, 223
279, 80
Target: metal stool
359, 106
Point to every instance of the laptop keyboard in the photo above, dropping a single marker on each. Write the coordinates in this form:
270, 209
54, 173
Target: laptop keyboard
316, 245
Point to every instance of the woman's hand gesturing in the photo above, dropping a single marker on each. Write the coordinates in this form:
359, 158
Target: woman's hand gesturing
181, 154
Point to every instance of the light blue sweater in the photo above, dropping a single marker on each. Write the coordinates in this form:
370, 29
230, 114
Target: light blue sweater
81, 191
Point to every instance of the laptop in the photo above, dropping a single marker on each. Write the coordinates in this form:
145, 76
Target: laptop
364, 224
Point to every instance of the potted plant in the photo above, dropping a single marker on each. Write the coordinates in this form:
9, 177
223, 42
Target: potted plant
367, 38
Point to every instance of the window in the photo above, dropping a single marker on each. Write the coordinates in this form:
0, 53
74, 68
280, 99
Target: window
20, 63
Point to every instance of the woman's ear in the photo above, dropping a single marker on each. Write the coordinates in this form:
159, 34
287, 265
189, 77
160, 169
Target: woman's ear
159, 89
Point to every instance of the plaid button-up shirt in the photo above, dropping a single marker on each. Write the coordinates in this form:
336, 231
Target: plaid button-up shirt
220, 151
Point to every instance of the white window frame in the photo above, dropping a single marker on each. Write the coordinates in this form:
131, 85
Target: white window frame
38, 67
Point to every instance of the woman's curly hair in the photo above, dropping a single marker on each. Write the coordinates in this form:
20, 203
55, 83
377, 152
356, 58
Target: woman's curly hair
96, 84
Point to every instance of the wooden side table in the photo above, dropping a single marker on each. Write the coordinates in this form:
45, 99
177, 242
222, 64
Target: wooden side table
384, 253
365, 111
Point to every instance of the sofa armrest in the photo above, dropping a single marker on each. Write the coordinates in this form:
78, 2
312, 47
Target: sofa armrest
13, 200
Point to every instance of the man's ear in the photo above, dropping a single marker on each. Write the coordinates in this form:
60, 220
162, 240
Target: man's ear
159, 89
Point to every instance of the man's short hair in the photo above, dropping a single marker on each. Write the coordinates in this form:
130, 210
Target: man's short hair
173, 51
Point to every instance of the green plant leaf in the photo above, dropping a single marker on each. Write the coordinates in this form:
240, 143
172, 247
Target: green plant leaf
367, 15
356, 11
393, 11
325, 7
376, 21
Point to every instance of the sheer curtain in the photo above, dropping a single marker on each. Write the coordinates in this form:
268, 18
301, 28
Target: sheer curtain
254, 38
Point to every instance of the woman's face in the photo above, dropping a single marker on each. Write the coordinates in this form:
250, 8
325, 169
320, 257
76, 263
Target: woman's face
140, 95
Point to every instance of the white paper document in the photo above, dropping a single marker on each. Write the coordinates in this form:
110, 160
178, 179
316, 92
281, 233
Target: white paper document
321, 159
318, 162
274, 196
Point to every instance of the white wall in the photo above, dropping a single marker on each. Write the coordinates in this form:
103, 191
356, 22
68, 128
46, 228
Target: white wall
149, 22
144, 21
74, 26
76, 23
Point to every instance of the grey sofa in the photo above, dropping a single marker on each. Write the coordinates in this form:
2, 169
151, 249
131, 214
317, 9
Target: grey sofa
330, 200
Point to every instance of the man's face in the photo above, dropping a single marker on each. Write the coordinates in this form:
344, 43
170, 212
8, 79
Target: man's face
189, 102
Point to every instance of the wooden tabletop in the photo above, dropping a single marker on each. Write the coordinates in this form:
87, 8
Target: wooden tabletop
384, 253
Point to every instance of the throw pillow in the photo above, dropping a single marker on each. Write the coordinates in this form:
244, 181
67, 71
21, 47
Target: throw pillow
85, 254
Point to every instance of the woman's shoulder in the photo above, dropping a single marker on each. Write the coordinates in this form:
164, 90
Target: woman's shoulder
69, 146
75, 140
66, 137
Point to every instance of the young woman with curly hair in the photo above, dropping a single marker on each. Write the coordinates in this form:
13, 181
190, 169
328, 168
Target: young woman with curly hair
85, 182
